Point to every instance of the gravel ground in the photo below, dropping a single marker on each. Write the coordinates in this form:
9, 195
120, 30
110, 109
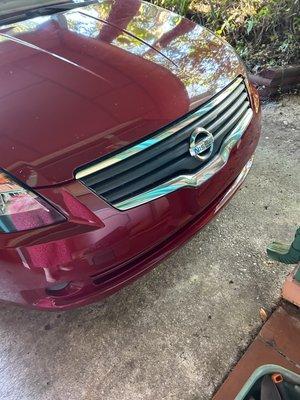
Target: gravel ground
176, 332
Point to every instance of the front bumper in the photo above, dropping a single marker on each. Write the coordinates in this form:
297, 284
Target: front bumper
101, 249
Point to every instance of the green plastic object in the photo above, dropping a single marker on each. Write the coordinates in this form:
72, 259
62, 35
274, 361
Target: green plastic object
287, 254
290, 377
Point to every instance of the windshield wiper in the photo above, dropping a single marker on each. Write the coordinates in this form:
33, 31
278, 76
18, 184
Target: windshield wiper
42, 11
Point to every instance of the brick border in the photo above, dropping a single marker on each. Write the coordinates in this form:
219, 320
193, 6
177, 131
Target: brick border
271, 82
278, 343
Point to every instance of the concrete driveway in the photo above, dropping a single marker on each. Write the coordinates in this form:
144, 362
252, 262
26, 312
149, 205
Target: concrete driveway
175, 333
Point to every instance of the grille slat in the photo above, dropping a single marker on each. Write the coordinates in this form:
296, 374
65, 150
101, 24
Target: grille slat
144, 168
224, 117
231, 123
216, 112
165, 155
152, 178
137, 160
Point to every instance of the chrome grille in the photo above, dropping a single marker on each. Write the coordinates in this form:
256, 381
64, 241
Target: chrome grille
162, 163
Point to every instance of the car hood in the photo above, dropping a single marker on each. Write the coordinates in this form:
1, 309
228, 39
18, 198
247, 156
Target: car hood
78, 85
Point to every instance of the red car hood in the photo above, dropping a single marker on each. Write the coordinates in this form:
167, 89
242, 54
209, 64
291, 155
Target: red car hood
78, 85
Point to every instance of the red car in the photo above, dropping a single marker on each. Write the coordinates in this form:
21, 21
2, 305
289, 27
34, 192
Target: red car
124, 130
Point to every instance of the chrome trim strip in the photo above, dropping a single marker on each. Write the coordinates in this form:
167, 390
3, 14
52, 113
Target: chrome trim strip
166, 133
197, 179
236, 184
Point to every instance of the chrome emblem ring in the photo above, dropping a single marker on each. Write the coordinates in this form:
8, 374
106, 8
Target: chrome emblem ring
201, 144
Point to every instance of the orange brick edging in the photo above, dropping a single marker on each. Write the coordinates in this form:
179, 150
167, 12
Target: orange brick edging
277, 343
291, 290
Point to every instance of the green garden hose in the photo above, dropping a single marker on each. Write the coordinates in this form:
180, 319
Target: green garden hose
287, 254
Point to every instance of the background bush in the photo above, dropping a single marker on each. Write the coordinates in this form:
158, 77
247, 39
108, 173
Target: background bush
265, 33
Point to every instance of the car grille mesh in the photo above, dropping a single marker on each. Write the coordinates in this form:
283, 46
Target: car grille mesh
165, 155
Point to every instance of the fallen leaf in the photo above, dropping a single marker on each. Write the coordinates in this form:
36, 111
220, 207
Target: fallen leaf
263, 314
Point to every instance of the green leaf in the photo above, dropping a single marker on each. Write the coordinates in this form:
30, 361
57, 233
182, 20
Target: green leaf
249, 25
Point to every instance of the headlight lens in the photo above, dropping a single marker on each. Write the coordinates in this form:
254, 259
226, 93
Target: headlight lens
21, 209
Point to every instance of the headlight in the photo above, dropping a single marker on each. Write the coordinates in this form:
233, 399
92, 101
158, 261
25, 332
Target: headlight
22, 209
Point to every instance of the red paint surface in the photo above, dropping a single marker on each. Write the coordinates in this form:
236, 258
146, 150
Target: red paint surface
87, 89
73, 89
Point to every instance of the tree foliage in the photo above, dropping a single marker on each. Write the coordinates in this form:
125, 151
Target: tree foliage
264, 32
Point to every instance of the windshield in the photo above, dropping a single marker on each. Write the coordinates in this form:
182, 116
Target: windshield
9, 7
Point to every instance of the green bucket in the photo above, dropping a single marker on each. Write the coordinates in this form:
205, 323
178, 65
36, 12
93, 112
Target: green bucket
290, 377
